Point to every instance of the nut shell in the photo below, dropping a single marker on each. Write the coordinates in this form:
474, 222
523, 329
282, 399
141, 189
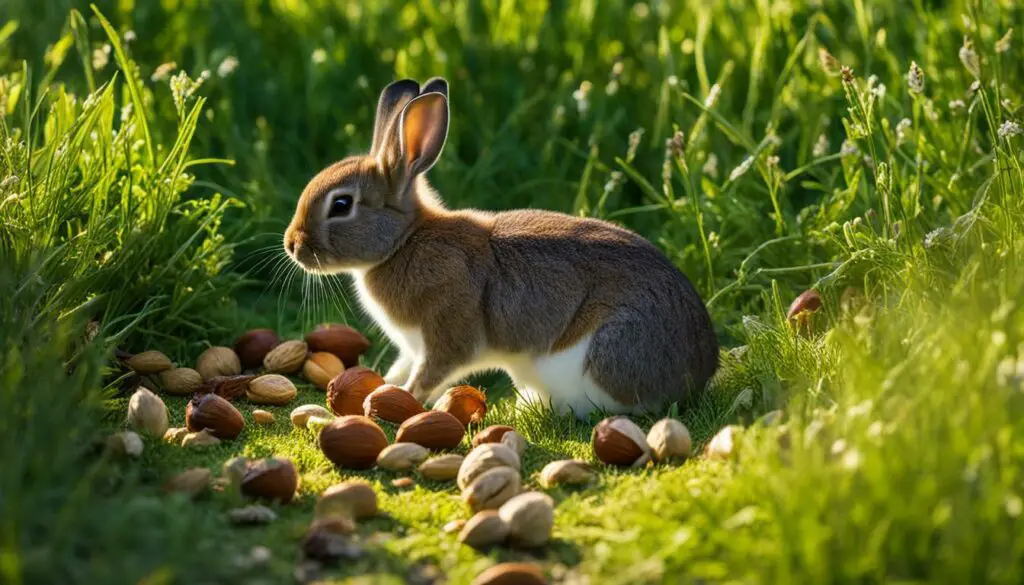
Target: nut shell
466, 403
175, 435
274, 479
723, 444
218, 361
341, 340
355, 498
347, 391
566, 472
147, 413
484, 529
180, 381
432, 429
272, 389
391, 403
809, 301
669, 439
125, 443
149, 362
484, 458
618, 441
401, 456
511, 574
229, 387
321, 367
198, 440
491, 434
492, 489
286, 358
530, 518
442, 467
300, 416
254, 345
190, 482
352, 441
514, 441
211, 412
263, 417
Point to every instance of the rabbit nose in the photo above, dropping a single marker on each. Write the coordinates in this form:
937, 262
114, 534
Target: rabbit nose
293, 242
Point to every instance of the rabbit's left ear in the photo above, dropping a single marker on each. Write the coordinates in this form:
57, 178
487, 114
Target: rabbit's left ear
394, 97
423, 130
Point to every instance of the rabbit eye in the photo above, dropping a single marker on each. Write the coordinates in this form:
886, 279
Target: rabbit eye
341, 206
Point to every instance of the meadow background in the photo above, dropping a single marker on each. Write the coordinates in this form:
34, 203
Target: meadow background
151, 158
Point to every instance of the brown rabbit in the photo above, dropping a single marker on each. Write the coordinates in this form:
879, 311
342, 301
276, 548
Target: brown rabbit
581, 314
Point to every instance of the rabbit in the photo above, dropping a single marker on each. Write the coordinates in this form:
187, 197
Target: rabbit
583, 315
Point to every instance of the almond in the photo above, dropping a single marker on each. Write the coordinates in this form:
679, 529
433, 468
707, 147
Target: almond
272, 389
442, 467
511, 574
391, 403
213, 413
432, 429
301, 415
218, 361
401, 456
484, 458
254, 345
491, 434
180, 381
286, 358
466, 403
341, 340
321, 367
263, 417
347, 391
149, 362
272, 479
618, 441
352, 441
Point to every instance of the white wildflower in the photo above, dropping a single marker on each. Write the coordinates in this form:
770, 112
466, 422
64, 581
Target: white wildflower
130, 37
713, 94
711, 166
915, 78
821, 146
612, 88
100, 57
742, 169
227, 66
163, 71
9, 183
1009, 129
319, 56
969, 57
581, 95
1003, 44
879, 91
902, 129
848, 148
955, 105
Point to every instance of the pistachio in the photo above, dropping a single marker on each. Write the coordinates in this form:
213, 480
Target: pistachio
530, 517
147, 413
514, 441
401, 456
483, 458
354, 498
669, 439
149, 362
218, 361
321, 367
263, 417
272, 389
618, 441
180, 381
300, 416
203, 438
566, 472
484, 529
175, 435
492, 489
125, 443
190, 482
286, 358
442, 467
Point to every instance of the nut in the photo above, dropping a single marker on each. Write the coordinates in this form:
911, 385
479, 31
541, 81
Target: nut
354, 498
352, 441
220, 417
618, 441
286, 358
401, 456
466, 403
125, 443
808, 302
486, 457
263, 417
300, 416
180, 381
530, 517
511, 574
147, 413
327, 541
251, 515
403, 482
341, 340
321, 367
723, 444
566, 472
229, 387
190, 482
442, 467
271, 389
491, 434
391, 403
492, 489
203, 438
254, 345
272, 479
218, 361
333, 525
453, 526
175, 435
514, 441
234, 469
315, 424
669, 439
149, 362
347, 391
484, 529
432, 429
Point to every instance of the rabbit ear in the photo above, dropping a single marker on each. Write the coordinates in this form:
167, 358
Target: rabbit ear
435, 85
394, 97
424, 129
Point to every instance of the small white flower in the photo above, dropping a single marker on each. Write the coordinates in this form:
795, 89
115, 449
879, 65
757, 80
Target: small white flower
227, 66
163, 71
1003, 44
673, 80
955, 105
969, 57
711, 166
129, 36
1009, 129
612, 88
713, 94
742, 169
879, 91
100, 57
319, 56
902, 129
915, 78
849, 148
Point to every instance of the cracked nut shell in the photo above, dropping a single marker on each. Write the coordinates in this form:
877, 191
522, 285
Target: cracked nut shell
213, 413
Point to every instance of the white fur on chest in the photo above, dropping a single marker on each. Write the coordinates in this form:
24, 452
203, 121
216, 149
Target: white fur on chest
408, 339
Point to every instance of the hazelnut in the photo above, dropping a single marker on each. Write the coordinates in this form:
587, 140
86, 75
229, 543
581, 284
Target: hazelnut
432, 429
491, 434
341, 340
352, 441
442, 467
322, 367
203, 438
229, 387
530, 517
273, 389
125, 443
391, 403
263, 417
492, 489
272, 479
511, 574
190, 482
466, 403
669, 439
175, 435
347, 391
618, 441
286, 358
401, 456
300, 416
218, 361
566, 472
354, 498
149, 362
486, 457
723, 444
254, 345
147, 413
180, 381
252, 515
211, 412
514, 441
484, 529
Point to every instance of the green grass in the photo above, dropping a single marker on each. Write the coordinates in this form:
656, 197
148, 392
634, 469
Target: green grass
155, 214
